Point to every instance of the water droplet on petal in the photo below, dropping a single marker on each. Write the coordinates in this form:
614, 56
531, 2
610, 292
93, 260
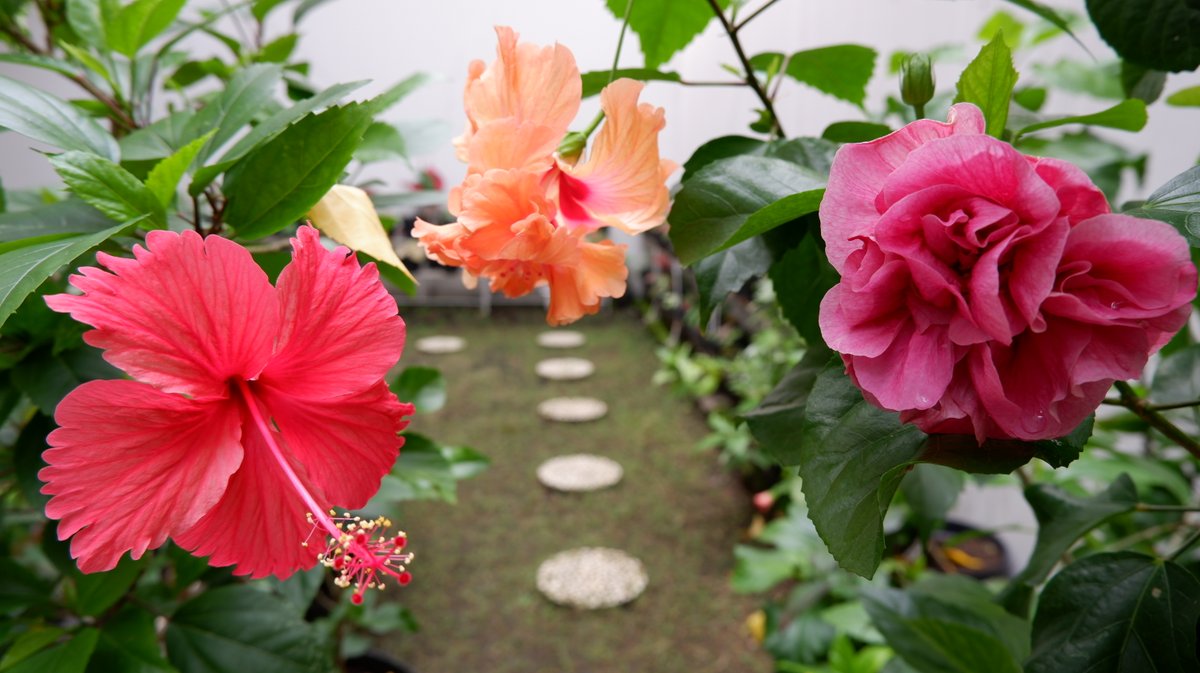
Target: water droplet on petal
923, 402
1115, 304
1036, 422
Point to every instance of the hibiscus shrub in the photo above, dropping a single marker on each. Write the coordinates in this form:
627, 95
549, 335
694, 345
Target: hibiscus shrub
228, 411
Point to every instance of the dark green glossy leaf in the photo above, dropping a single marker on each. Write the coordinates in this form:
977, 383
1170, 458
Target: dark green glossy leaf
1031, 98
46, 377
732, 199
1120, 611
129, 644
282, 179
595, 81
1156, 34
1062, 519
243, 99
948, 624
777, 421
69, 657
235, 629
801, 279
931, 490
664, 27
814, 153
728, 271
805, 639
988, 82
1177, 203
1001, 456
1128, 115
756, 570
27, 458
22, 270
842, 70
40, 116
133, 26
268, 129
423, 386
1142, 83
109, 188
423, 472
854, 132
20, 588
852, 456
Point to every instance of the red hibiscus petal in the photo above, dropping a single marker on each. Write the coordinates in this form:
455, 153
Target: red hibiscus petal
131, 465
340, 331
185, 316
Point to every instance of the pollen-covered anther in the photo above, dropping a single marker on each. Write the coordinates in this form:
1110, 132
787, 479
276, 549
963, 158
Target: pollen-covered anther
363, 554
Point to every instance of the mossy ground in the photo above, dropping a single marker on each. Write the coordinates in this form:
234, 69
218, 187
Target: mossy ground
676, 509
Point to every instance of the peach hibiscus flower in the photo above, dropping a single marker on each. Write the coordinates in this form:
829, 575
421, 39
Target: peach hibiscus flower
524, 211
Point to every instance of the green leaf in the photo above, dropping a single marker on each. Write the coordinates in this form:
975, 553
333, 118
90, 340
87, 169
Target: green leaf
20, 588
1156, 34
36, 639
282, 179
948, 624
261, 8
720, 148
40, 116
1002, 22
57, 219
1189, 97
1128, 115
777, 421
22, 270
44, 62
664, 27
133, 26
1062, 519
243, 98
595, 81
128, 643
268, 129
423, 472
381, 142
277, 50
1142, 83
234, 629
931, 490
465, 462
852, 456
86, 19
728, 271
1054, 18
160, 139
397, 93
1098, 80
69, 657
46, 377
109, 188
1117, 612
854, 132
1001, 456
988, 82
842, 71
1177, 379
97, 592
1176, 203
801, 279
733, 199
756, 570
423, 386
1031, 98
164, 178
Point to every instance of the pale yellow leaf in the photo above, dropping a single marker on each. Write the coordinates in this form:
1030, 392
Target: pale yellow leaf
347, 215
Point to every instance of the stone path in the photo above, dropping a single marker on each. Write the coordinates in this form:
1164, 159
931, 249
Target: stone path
588, 578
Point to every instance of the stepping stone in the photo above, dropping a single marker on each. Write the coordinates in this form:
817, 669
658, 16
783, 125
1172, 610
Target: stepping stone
572, 409
441, 344
565, 369
579, 472
564, 338
591, 578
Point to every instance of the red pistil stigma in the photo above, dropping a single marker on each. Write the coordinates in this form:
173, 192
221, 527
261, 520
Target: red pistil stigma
364, 556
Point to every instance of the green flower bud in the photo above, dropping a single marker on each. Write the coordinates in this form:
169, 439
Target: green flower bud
916, 80
572, 145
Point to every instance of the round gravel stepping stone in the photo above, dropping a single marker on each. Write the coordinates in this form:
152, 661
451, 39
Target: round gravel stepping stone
441, 344
591, 578
579, 472
564, 338
572, 409
565, 369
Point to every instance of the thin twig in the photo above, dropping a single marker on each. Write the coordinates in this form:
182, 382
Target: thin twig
1174, 405
1137, 405
742, 24
620, 41
751, 78
708, 83
1187, 544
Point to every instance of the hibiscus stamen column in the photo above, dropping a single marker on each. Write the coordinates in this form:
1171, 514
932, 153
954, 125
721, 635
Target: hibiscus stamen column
358, 550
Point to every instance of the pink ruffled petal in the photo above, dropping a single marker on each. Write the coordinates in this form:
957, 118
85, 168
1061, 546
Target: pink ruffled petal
1079, 198
259, 525
340, 330
859, 170
889, 377
623, 181
130, 466
186, 315
346, 444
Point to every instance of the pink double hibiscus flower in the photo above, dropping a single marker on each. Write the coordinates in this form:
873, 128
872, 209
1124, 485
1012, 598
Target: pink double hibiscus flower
254, 410
524, 212
987, 292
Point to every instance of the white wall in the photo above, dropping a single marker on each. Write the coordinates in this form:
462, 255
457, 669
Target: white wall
385, 40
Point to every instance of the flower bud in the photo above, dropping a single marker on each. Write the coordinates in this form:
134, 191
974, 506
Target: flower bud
916, 80
572, 145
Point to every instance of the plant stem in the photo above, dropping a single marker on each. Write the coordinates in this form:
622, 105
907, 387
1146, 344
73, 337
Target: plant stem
1187, 544
751, 79
1174, 405
620, 41
1147, 507
1138, 406
742, 24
